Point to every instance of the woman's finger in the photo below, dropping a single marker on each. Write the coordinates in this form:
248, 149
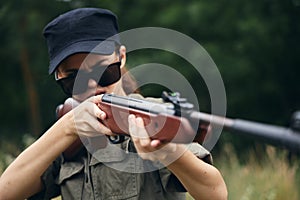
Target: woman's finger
132, 126
142, 133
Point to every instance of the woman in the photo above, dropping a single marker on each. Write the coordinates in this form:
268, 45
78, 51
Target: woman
44, 170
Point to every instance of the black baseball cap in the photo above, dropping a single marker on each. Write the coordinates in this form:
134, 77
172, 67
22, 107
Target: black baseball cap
83, 30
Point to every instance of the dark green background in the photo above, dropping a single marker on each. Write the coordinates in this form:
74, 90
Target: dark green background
255, 44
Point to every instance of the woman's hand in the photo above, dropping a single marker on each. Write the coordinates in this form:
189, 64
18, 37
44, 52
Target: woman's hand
152, 149
86, 118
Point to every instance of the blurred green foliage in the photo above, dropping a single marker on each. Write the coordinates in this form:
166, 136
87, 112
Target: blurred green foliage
255, 44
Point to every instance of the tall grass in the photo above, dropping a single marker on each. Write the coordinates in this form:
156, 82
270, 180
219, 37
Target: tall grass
271, 177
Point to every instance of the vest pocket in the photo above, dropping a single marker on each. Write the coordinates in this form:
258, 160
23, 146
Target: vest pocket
68, 170
71, 178
114, 184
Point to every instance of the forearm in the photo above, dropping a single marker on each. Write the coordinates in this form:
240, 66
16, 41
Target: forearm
22, 178
202, 181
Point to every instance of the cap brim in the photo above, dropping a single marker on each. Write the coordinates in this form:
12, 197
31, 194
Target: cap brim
99, 47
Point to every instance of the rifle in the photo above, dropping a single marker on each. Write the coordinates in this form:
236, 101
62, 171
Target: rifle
178, 122
180, 111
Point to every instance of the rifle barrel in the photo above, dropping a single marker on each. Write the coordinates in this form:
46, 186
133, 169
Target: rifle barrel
271, 134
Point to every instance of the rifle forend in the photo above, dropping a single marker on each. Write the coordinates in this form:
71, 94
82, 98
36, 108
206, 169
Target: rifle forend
161, 120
